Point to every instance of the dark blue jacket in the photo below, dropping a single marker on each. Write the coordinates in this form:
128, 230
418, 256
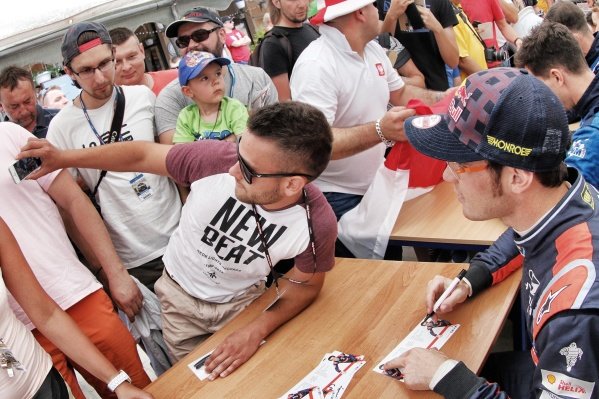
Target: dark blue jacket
560, 298
44, 116
592, 56
584, 151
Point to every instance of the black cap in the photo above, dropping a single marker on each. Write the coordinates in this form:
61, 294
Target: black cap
70, 49
198, 15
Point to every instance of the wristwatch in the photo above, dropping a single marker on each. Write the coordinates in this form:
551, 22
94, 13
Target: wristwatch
118, 380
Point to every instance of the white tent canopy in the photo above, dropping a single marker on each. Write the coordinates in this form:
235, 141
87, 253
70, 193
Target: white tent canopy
22, 21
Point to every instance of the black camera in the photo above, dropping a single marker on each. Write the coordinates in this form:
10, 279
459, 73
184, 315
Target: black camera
492, 54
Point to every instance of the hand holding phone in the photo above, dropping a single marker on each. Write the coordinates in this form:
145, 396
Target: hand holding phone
23, 167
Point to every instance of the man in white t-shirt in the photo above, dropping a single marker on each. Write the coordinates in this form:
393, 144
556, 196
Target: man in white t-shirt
349, 77
216, 262
31, 210
141, 210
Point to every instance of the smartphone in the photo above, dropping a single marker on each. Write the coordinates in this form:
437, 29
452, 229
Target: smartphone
414, 17
23, 167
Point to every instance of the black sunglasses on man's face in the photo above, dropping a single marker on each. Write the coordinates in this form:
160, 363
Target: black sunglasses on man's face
248, 173
198, 36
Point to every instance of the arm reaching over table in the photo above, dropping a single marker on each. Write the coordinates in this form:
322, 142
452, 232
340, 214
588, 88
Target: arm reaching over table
241, 345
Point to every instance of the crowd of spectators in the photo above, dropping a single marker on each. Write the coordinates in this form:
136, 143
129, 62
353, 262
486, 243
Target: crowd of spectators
199, 186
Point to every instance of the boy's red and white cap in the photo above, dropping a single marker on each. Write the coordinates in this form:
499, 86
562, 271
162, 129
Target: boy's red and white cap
331, 9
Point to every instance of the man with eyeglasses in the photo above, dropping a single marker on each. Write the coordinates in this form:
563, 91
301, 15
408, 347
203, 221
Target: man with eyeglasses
251, 205
505, 138
201, 29
140, 222
17, 100
129, 57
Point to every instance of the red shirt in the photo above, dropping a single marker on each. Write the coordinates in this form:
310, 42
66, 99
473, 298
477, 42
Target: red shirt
241, 53
162, 78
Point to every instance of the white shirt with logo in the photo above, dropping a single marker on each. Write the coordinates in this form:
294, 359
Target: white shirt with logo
350, 91
139, 226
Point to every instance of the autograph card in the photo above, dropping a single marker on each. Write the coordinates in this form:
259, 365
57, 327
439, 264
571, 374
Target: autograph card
197, 366
431, 335
307, 393
331, 376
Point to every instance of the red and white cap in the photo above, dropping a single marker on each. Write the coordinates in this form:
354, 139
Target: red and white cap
331, 9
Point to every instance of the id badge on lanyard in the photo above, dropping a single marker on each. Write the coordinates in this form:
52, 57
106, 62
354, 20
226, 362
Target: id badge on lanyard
141, 187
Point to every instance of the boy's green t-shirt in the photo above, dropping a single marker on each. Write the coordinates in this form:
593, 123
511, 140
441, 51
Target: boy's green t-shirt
232, 119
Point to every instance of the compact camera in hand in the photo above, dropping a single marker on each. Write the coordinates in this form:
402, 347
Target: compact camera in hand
492, 54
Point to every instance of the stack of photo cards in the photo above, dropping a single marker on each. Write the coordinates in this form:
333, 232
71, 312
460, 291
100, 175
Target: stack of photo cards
330, 379
432, 334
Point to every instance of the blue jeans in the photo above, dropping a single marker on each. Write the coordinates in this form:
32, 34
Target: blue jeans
342, 202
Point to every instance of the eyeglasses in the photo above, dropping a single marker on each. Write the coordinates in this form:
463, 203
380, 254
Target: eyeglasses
248, 174
457, 169
198, 36
87, 73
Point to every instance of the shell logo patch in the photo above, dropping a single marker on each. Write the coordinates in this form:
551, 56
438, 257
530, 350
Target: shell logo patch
560, 385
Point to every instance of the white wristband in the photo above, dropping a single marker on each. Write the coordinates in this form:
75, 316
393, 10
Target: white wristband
377, 126
118, 380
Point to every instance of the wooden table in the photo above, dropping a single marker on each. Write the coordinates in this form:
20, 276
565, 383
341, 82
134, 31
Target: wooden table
365, 307
435, 220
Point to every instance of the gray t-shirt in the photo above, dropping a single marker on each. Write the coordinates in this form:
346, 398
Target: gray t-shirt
248, 84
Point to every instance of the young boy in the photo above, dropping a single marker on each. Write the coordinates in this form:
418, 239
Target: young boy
213, 116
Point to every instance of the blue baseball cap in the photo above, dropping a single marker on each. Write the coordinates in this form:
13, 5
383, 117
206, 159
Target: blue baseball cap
504, 115
194, 62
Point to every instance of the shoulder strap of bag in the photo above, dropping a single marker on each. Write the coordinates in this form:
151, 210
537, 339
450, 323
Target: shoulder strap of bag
460, 13
115, 128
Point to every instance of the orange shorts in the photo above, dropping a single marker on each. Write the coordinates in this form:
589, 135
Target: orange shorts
96, 317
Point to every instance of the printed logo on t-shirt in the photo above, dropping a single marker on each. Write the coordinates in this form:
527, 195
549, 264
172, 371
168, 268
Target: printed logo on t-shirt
380, 69
125, 136
234, 237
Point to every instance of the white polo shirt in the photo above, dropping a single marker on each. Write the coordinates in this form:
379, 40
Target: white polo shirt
350, 91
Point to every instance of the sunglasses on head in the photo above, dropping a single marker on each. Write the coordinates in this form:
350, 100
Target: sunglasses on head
198, 36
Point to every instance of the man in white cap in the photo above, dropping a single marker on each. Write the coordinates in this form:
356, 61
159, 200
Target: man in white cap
348, 76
